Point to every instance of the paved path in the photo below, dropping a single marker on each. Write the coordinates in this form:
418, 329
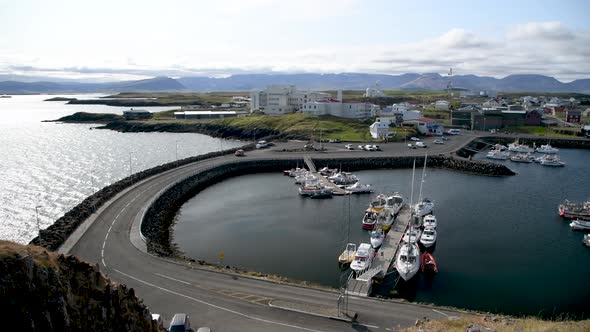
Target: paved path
228, 302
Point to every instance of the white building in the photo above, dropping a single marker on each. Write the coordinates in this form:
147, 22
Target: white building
335, 107
381, 128
441, 105
374, 92
283, 99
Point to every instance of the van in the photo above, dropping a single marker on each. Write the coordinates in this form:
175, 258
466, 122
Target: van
180, 323
454, 131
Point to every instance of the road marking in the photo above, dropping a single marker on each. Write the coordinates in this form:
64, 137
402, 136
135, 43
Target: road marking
366, 325
167, 277
216, 306
440, 312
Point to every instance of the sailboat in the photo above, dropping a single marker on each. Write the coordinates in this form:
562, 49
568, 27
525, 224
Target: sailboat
424, 205
407, 262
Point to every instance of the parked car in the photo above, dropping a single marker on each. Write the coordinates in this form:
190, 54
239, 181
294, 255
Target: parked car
361, 147
421, 145
445, 138
377, 147
349, 147
369, 147
336, 140
411, 146
454, 131
439, 141
180, 323
262, 144
414, 138
239, 153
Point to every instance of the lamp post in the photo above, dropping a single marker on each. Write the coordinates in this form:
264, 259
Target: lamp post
38, 225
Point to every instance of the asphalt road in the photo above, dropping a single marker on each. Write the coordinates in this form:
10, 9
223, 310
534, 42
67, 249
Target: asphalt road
226, 302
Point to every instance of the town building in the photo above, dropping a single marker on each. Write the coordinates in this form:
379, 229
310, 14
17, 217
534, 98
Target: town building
486, 119
441, 105
336, 107
283, 99
426, 126
201, 115
573, 116
137, 114
381, 129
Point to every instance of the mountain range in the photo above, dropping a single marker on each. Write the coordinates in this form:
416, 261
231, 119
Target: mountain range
345, 81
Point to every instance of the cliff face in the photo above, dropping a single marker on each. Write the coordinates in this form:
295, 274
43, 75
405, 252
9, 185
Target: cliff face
44, 291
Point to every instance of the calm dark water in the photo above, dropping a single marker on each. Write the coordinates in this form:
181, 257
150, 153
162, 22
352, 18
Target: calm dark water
501, 245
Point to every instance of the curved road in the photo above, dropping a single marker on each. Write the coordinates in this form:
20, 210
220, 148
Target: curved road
228, 302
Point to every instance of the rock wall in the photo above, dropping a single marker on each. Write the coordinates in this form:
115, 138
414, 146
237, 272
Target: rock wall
44, 291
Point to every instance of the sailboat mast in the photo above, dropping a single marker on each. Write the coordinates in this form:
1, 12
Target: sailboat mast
422, 181
412, 191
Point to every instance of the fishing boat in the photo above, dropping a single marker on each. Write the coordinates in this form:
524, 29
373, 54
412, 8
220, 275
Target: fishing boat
385, 219
522, 158
362, 258
359, 188
407, 262
569, 210
322, 193
498, 155
378, 202
521, 148
547, 149
395, 202
343, 178
580, 225
551, 160
428, 263
312, 188
348, 254
429, 221
428, 237
370, 218
377, 237
586, 240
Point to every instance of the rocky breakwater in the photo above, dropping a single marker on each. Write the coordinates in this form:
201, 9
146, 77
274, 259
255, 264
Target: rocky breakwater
56, 234
44, 291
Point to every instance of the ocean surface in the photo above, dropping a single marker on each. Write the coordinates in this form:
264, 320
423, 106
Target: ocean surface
54, 166
501, 245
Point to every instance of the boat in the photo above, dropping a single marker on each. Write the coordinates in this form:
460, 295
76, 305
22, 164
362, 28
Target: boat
322, 193
311, 188
343, 178
359, 188
395, 202
370, 218
348, 254
580, 211
412, 235
407, 262
521, 148
362, 258
522, 158
580, 225
385, 219
429, 220
551, 160
296, 171
428, 263
424, 207
377, 237
547, 149
378, 202
586, 240
428, 237
500, 147
328, 171
498, 155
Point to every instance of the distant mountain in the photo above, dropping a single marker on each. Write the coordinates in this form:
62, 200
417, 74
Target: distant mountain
345, 81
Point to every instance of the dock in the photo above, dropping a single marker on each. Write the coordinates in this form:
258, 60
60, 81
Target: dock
361, 286
323, 180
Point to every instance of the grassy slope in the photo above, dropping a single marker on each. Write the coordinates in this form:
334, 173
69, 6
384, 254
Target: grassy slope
502, 324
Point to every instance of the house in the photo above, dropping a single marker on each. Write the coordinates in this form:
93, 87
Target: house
137, 114
441, 105
492, 103
283, 99
573, 116
533, 117
197, 115
335, 107
380, 128
426, 126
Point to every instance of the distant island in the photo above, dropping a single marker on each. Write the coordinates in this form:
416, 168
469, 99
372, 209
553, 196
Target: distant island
60, 99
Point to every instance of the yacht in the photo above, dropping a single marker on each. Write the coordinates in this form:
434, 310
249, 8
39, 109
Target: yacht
521, 148
551, 160
362, 258
429, 221
328, 171
377, 237
522, 158
343, 178
412, 235
348, 254
359, 188
395, 202
498, 155
547, 148
378, 202
423, 207
407, 262
323, 193
580, 225
428, 237
570, 210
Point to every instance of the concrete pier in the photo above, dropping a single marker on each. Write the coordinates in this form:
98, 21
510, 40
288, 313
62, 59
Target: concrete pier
361, 286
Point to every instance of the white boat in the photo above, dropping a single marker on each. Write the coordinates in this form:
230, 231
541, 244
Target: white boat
547, 148
347, 255
429, 221
580, 224
310, 189
359, 188
296, 171
407, 262
500, 147
423, 207
362, 258
377, 237
586, 240
428, 237
551, 160
412, 235
385, 219
569, 210
395, 202
343, 178
522, 158
521, 148
378, 202
497, 154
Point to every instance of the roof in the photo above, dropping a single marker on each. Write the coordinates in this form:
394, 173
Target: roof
208, 112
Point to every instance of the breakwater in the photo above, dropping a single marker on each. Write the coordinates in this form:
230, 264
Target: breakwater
159, 218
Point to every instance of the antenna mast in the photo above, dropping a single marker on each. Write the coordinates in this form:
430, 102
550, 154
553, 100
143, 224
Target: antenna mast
450, 83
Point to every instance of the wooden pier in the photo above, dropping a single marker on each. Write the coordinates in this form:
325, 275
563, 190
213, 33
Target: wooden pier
361, 286
323, 180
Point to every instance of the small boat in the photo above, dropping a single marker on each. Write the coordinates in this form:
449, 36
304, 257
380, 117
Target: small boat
322, 193
428, 237
547, 148
522, 158
348, 254
362, 258
359, 188
424, 207
586, 240
343, 178
412, 235
551, 160
428, 263
385, 219
328, 171
377, 237
500, 147
407, 262
580, 225
395, 202
580, 211
311, 188
296, 171
378, 202
521, 148
429, 221
370, 218
498, 155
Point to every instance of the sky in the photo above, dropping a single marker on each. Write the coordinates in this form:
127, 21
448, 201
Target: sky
127, 39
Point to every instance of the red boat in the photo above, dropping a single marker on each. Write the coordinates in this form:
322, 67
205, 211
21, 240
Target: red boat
428, 263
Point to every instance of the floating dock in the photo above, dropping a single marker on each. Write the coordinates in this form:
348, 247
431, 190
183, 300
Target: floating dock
361, 286
323, 180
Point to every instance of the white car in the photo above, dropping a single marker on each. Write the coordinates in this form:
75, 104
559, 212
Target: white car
262, 145
414, 138
349, 147
411, 146
420, 145
439, 141
369, 147
361, 147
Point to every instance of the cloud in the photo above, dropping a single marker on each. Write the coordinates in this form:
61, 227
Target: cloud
539, 31
459, 38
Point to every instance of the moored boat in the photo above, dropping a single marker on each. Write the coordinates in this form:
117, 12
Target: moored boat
370, 218
343, 178
377, 236
522, 158
569, 210
586, 240
362, 258
395, 202
407, 262
547, 148
423, 207
428, 237
385, 219
428, 263
359, 188
498, 155
322, 193
521, 148
348, 254
551, 160
580, 225
429, 221
412, 235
